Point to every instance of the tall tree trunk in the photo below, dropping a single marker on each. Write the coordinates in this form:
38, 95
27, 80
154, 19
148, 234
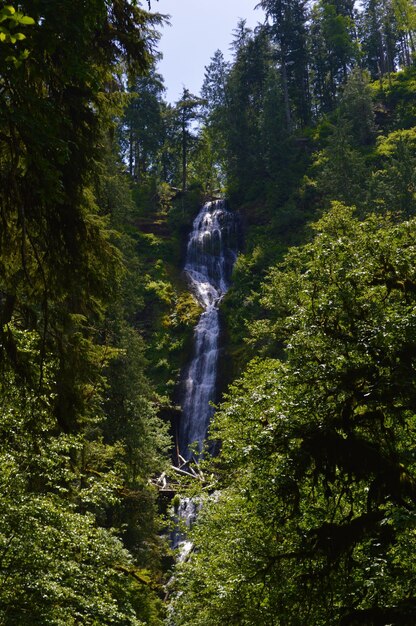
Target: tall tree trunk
184, 147
131, 152
286, 92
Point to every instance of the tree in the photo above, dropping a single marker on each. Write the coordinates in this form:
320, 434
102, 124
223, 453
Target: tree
62, 267
405, 14
215, 102
358, 108
341, 171
334, 49
379, 37
246, 86
288, 31
214, 87
314, 520
58, 564
187, 111
394, 181
56, 252
141, 129
242, 35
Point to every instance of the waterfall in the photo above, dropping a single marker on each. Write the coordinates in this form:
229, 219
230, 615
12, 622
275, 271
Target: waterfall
211, 253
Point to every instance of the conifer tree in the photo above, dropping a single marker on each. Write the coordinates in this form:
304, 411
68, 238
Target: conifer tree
141, 130
334, 49
185, 112
379, 37
288, 31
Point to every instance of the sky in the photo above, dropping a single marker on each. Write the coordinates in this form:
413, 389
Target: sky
198, 28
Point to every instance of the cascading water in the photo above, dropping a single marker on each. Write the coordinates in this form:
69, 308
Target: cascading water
210, 257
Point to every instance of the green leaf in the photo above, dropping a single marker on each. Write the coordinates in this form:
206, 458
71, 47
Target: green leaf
28, 21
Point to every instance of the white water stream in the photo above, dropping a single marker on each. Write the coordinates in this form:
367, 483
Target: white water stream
211, 253
210, 256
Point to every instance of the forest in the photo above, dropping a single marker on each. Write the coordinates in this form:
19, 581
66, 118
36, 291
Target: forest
307, 498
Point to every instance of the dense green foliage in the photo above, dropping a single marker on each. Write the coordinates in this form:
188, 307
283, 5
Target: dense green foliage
315, 519
79, 431
309, 509
308, 514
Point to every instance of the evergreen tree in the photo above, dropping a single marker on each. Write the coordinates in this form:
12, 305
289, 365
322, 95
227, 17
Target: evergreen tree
394, 181
214, 87
215, 103
379, 37
141, 130
61, 267
245, 102
187, 111
358, 108
334, 50
242, 35
288, 31
405, 14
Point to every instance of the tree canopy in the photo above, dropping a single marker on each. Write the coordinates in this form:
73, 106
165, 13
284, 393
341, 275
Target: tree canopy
308, 510
315, 518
